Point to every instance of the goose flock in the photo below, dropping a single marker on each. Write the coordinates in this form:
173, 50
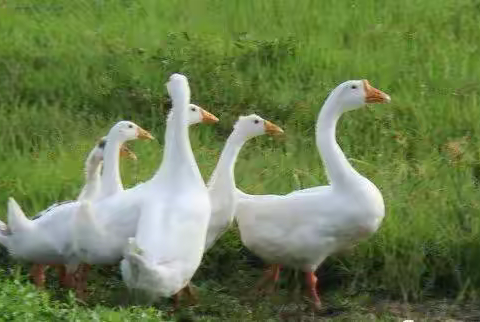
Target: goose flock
159, 230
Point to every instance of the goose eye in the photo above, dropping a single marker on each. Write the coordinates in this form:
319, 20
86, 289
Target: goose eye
193, 109
130, 126
353, 87
256, 121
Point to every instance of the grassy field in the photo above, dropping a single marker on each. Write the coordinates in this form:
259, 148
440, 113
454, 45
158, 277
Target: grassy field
70, 69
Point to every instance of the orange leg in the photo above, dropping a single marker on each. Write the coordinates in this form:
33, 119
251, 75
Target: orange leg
81, 280
38, 274
276, 273
61, 274
311, 281
189, 292
192, 295
275, 277
271, 276
176, 300
69, 280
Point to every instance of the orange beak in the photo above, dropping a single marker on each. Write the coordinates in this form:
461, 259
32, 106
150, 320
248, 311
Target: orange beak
142, 134
272, 129
208, 117
127, 153
373, 95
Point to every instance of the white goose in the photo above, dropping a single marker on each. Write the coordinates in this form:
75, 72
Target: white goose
90, 191
94, 241
221, 187
300, 230
170, 239
47, 240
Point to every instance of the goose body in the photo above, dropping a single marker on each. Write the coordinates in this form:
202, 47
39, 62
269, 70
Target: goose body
309, 239
303, 228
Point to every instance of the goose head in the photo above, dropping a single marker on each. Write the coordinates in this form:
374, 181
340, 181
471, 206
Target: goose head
253, 125
99, 150
354, 94
196, 114
127, 131
178, 88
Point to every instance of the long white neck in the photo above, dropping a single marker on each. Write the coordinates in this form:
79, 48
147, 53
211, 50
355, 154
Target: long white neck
111, 180
92, 178
178, 158
169, 130
223, 176
339, 171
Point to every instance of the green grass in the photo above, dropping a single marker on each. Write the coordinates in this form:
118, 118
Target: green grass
69, 70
